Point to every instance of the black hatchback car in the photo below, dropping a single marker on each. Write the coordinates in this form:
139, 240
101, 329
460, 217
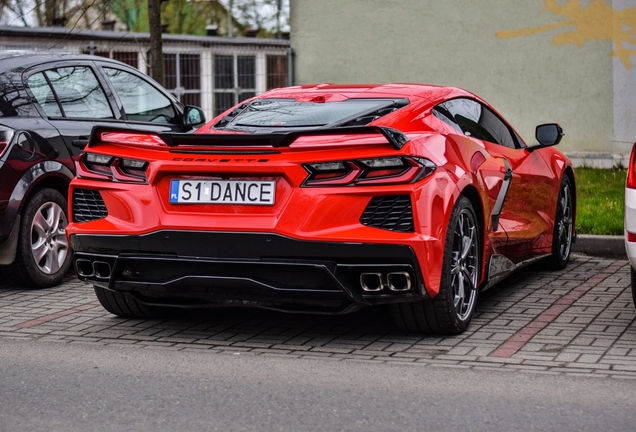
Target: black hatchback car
49, 103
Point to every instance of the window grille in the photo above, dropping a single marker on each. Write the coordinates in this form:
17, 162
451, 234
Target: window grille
234, 80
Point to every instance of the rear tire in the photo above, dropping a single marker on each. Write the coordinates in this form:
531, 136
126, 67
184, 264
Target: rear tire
563, 227
451, 310
127, 306
43, 256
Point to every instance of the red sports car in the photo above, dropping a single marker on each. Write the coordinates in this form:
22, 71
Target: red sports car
323, 199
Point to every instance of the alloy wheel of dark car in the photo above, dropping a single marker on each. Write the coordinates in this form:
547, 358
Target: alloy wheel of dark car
563, 227
43, 256
451, 310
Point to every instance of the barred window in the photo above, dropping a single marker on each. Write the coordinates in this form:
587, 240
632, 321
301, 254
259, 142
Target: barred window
182, 77
234, 80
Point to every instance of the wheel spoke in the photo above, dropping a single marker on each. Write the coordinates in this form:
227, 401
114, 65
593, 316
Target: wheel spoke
40, 224
56, 215
54, 266
39, 251
467, 244
459, 294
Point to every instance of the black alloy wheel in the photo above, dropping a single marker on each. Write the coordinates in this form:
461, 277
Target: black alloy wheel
451, 310
563, 226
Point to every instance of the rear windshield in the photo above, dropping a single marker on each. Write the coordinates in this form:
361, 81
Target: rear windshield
277, 113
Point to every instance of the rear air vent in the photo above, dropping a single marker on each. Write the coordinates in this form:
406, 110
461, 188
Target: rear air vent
88, 205
392, 212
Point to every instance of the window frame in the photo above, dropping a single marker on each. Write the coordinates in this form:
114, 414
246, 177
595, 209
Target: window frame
236, 91
42, 68
519, 143
100, 64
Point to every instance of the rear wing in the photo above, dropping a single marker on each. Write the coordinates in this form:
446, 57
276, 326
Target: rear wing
275, 139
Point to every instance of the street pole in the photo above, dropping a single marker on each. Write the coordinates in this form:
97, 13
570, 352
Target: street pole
156, 44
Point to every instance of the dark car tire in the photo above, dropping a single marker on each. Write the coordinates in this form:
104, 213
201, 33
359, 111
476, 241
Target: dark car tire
634, 286
449, 312
127, 306
42, 233
563, 227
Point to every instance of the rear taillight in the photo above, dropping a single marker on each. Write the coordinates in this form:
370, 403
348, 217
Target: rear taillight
374, 171
6, 135
631, 170
110, 168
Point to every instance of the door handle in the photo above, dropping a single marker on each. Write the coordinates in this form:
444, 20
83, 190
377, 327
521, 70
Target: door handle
80, 142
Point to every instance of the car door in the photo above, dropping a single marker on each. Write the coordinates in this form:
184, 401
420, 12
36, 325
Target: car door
73, 99
141, 102
77, 95
526, 211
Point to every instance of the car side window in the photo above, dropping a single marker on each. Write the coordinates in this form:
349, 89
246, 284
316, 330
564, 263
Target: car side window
477, 121
44, 95
141, 100
76, 93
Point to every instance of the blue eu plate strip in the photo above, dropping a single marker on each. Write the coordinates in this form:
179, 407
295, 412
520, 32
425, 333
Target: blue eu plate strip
174, 191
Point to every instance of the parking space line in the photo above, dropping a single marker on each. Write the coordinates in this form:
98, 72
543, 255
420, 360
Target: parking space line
56, 315
523, 336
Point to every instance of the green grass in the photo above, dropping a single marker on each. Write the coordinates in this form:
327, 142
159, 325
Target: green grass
600, 195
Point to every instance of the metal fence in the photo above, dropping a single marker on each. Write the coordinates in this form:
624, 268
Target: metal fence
214, 80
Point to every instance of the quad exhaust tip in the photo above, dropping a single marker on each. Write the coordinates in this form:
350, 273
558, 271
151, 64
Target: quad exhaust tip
372, 282
86, 268
399, 281
395, 281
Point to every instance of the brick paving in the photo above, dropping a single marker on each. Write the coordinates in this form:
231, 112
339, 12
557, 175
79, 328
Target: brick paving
579, 321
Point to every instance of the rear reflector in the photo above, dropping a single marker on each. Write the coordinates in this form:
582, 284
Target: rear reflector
631, 237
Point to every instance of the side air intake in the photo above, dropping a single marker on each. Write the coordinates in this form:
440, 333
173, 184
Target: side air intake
88, 205
391, 212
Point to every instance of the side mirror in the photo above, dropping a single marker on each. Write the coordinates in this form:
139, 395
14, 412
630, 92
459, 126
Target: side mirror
193, 116
549, 134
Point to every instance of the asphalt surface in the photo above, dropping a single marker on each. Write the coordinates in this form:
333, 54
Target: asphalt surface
61, 387
545, 350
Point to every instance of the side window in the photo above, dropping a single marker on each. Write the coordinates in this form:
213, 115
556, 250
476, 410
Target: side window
44, 95
76, 90
141, 101
477, 121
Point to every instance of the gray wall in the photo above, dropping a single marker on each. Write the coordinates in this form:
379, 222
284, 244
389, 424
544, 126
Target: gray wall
564, 74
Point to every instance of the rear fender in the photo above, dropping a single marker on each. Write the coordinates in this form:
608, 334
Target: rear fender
35, 176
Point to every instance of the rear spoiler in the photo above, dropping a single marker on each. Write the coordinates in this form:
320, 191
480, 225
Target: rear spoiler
275, 139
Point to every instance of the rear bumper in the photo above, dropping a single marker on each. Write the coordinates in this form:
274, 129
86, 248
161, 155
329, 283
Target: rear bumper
195, 268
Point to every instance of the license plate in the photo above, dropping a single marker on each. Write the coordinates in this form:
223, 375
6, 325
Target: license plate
250, 192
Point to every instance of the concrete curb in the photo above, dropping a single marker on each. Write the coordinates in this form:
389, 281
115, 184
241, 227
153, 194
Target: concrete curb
600, 245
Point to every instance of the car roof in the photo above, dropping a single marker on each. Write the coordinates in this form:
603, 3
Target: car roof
336, 92
25, 59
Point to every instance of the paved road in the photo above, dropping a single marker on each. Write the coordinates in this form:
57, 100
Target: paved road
577, 321
568, 338
62, 387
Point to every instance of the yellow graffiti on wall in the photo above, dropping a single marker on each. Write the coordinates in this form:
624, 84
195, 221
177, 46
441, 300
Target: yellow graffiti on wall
598, 21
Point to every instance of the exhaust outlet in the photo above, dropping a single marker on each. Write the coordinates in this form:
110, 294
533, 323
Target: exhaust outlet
371, 282
102, 269
84, 268
399, 281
